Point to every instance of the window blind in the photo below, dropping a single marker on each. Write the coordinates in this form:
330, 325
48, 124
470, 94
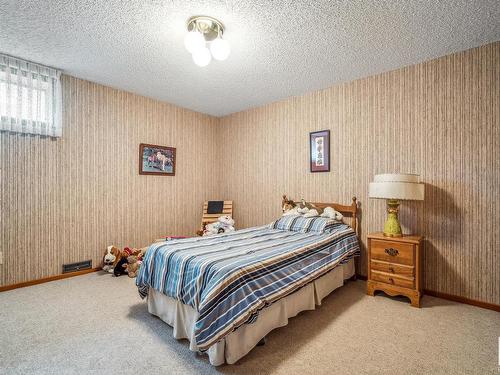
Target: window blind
30, 97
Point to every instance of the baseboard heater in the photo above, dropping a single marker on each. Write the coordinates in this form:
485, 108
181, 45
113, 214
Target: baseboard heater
78, 266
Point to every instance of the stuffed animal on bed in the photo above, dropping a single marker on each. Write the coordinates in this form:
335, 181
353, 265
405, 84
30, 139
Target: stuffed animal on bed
289, 207
287, 204
329, 212
224, 224
304, 208
308, 209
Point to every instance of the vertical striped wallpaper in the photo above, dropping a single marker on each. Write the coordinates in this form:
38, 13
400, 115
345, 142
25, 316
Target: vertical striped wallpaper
439, 119
64, 200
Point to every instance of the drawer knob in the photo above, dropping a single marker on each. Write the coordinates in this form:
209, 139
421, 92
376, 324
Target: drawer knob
391, 269
392, 252
391, 280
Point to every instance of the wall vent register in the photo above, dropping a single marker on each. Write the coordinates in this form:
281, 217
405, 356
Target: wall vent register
78, 266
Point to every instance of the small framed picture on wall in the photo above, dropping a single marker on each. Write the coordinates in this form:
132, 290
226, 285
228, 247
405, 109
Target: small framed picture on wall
156, 160
320, 151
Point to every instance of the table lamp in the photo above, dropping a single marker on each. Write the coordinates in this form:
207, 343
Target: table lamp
395, 187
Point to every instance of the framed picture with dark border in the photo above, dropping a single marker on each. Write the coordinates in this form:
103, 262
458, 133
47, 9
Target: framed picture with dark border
156, 160
320, 151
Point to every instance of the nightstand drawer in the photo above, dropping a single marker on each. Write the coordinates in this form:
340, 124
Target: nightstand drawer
406, 282
392, 268
392, 252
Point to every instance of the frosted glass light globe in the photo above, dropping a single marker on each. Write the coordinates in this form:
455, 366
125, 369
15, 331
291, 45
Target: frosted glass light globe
193, 41
220, 49
202, 57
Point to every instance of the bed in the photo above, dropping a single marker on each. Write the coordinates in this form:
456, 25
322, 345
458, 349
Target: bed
225, 293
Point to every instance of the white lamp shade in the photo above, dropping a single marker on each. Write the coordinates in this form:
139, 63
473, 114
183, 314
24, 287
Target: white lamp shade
194, 41
396, 186
202, 57
220, 49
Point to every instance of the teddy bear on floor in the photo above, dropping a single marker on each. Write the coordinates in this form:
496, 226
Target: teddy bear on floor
121, 266
134, 262
224, 224
115, 261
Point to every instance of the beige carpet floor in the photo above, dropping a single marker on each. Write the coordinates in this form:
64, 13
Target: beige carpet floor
97, 324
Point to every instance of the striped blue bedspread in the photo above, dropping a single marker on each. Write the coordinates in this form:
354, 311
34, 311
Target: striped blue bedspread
229, 278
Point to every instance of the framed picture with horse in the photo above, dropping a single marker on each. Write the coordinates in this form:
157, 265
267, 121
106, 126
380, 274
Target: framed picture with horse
156, 160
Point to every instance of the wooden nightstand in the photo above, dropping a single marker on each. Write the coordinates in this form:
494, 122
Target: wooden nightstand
394, 266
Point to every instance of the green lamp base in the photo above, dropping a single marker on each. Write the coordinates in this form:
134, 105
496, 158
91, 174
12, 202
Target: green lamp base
392, 227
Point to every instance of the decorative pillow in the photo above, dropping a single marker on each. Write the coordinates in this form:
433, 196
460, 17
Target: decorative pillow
299, 223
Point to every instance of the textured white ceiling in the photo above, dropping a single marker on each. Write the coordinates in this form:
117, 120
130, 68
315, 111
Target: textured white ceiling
279, 48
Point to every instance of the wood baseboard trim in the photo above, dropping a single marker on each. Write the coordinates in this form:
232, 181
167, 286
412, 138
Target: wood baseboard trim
47, 279
454, 298
467, 301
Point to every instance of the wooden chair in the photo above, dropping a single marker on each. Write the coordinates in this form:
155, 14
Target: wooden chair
207, 218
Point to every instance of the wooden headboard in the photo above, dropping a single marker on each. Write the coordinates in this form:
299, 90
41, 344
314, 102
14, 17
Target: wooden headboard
348, 211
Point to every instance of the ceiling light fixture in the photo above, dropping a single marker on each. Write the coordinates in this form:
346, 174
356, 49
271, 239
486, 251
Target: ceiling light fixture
203, 30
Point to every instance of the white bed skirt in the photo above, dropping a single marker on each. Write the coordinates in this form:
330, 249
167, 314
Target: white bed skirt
238, 343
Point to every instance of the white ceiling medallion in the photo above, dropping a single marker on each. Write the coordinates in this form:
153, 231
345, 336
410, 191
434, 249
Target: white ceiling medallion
203, 30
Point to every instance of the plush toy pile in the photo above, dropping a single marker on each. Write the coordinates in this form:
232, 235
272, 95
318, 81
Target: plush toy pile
120, 262
224, 224
308, 209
